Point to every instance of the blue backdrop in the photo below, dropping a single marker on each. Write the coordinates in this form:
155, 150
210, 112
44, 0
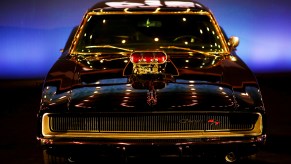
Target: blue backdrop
33, 31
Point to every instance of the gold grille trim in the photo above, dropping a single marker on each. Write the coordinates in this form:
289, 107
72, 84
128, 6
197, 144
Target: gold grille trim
150, 124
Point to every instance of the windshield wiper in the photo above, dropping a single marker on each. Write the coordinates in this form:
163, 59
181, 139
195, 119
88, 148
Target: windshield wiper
185, 49
110, 47
161, 47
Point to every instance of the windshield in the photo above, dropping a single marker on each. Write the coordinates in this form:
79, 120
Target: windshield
170, 32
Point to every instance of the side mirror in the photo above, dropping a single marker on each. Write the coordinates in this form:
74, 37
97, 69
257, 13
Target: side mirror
233, 42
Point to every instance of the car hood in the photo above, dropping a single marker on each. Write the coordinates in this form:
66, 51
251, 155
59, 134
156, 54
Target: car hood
104, 83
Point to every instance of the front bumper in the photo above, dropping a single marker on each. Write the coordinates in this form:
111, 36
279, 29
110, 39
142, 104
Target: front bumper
258, 140
203, 147
163, 143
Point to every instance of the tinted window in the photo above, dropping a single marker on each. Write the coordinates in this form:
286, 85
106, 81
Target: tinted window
135, 32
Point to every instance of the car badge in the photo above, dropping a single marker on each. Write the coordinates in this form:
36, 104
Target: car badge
213, 122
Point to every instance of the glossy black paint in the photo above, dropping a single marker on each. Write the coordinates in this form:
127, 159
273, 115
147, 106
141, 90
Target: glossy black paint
68, 79
200, 82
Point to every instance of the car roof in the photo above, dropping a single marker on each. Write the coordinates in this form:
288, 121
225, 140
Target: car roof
144, 5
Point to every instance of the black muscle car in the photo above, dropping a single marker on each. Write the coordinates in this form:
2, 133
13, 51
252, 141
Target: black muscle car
150, 77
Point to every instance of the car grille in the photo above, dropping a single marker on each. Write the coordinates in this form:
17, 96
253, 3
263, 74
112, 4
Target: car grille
152, 122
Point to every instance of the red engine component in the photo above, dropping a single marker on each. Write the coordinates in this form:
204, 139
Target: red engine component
148, 58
